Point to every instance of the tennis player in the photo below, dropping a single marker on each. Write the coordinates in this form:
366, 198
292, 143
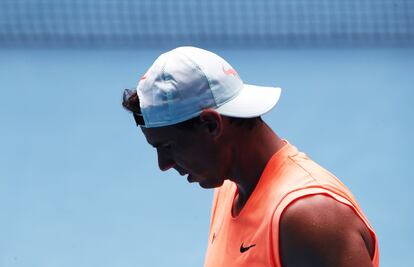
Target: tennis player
273, 205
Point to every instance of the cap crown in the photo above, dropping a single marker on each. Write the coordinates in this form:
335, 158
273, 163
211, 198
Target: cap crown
183, 82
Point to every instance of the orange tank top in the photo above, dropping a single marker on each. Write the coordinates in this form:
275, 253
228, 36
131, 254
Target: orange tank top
251, 239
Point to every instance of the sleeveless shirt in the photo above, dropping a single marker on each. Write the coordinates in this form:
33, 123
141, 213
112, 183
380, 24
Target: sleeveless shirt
252, 238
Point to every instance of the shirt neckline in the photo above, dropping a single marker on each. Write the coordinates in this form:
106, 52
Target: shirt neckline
273, 164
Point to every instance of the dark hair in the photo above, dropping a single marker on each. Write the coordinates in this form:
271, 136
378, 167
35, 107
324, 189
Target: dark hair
247, 123
130, 102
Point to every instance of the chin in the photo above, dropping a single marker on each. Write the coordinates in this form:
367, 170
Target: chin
211, 184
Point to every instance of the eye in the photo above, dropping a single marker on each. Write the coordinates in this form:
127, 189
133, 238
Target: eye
165, 146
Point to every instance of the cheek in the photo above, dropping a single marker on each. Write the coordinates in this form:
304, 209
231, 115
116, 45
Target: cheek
214, 162
201, 154
198, 158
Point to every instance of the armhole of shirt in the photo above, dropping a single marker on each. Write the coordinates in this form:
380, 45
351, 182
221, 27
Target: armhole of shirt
304, 192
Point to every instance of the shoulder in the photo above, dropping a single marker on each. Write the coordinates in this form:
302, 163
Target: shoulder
320, 231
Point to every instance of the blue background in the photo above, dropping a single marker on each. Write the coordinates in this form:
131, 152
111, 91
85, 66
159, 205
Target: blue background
79, 186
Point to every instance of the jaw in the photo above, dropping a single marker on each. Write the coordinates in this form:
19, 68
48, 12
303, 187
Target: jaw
211, 184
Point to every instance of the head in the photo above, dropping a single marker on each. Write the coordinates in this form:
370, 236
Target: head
199, 148
190, 105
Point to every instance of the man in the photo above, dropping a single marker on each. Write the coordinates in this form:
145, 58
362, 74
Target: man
273, 206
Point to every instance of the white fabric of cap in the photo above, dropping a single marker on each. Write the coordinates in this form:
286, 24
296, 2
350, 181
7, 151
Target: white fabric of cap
186, 80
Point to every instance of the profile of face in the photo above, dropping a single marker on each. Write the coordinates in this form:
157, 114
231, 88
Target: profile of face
200, 153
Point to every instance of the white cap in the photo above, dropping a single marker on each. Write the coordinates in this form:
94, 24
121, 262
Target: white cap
186, 80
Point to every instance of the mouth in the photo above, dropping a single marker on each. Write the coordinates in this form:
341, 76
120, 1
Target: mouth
190, 178
182, 173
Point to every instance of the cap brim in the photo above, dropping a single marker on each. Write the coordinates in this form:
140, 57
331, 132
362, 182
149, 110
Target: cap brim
252, 101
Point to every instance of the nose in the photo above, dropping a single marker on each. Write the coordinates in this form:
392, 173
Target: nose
165, 162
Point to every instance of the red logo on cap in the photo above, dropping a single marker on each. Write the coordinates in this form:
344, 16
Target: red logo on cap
230, 72
144, 76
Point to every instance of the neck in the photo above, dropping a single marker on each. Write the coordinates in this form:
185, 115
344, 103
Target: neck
250, 159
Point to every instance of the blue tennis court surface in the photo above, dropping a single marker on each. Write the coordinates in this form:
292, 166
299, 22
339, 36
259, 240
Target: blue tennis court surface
80, 187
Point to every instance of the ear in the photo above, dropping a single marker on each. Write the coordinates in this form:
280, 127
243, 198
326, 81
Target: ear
212, 122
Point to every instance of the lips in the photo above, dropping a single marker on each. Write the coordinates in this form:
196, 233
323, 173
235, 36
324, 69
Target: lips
181, 172
190, 178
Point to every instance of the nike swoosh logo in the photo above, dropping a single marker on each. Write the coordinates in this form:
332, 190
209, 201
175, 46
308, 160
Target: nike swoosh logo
244, 249
230, 71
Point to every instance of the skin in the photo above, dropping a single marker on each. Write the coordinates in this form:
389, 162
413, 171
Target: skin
314, 231
319, 231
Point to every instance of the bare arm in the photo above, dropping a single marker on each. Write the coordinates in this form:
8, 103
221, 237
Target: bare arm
319, 231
